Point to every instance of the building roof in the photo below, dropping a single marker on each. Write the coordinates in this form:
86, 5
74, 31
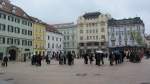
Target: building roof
91, 15
130, 21
65, 25
50, 28
6, 6
148, 37
36, 20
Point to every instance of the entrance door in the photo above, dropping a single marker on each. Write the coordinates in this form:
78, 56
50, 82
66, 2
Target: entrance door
12, 54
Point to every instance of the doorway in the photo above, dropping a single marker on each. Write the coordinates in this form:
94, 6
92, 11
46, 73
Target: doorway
12, 54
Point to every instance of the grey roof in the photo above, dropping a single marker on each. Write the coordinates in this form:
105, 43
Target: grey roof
91, 15
130, 21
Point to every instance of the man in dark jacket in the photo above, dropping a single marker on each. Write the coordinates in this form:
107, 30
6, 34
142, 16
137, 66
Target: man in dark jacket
97, 58
69, 57
5, 60
86, 58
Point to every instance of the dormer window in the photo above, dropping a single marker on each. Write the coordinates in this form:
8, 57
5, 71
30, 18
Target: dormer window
1, 6
24, 15
14, 8
3, 3
13, 11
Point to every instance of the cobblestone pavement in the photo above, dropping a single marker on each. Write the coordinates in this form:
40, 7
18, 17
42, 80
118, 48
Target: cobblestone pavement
127, 73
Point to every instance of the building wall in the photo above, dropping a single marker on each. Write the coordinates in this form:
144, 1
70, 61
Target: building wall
39, 41
24, 36
90, 31
120, 36
54, 43
69, 30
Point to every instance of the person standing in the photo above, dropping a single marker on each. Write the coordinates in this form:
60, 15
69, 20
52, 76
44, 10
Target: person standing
69, 56
86, 58
64, 58
91, 58
97, 58
5, 60
39, 59
33, 59
111, 58
101, 58
47, 59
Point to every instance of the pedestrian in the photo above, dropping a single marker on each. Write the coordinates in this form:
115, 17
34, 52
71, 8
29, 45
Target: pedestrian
33, 59
5, 60
91, 58
60, 58
101, 58
64, 58
69, 57
97, 58
111, 58
86, 58
39, 59
47, 59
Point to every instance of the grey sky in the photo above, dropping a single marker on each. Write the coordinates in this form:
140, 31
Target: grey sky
61, 11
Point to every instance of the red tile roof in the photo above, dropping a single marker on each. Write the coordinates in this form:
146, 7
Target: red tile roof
6, 6
51, 28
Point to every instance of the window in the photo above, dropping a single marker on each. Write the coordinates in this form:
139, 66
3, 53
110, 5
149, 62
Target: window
2, 27
87, 31
89, 44
25, 32
11, 40
102, 43
22, 31
67, 37
56, 38
93, 30
81, 44
29, 32
81, 31
96, 37
102, 30
53, 45
48, 45
53, 38
81, 38
103, 36
2, 40
8, 40
90, 37
113, 43
3, 16
15, 29
90, 31
102, 23
96, 31
87, 37
48, 37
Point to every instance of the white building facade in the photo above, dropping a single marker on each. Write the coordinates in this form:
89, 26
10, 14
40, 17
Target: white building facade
54, 41
92, 32
15, 32
126, 32
69, 31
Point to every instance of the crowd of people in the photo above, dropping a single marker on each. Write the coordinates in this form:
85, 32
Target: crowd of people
114, 56
60, 57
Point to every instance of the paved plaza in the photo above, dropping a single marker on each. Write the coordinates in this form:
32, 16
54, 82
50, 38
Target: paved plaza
127, 73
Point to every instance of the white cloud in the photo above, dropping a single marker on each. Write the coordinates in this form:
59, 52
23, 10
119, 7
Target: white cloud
55, 11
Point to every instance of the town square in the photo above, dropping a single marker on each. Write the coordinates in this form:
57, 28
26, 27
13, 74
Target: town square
74, 42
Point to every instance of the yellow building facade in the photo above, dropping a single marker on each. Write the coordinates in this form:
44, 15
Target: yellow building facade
39, 42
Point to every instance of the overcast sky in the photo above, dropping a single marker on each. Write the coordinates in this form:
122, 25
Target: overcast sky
61, 11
